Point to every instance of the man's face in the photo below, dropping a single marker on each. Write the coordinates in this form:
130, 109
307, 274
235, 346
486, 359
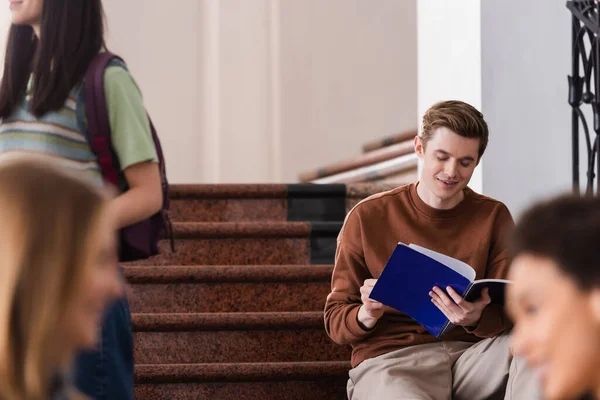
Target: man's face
448, 163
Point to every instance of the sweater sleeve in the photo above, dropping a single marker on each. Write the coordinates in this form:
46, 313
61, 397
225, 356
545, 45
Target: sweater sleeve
493, 320
349, 274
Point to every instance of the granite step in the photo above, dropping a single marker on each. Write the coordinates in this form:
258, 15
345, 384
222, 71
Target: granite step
331, 389
244, 243
233, 338
267, 202
235, 288
243, 381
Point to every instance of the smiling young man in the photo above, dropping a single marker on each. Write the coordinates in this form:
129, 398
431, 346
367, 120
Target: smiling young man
393, 356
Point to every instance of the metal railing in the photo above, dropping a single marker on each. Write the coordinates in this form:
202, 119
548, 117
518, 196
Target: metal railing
584, 87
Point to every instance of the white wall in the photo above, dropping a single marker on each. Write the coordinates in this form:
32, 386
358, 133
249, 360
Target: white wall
4, 27
340, 72
511, 61
348, 76
257, 91
449, 47
247, 68
203, 67
161, 44
525, 62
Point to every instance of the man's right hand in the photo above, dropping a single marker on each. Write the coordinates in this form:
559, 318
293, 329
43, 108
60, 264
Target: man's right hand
371, 310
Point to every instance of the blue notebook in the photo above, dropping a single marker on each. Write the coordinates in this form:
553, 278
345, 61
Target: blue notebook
410, 274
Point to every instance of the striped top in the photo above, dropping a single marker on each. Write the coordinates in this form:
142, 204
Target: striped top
62, 135
56, 135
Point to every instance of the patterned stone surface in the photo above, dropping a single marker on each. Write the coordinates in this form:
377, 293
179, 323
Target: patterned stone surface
223, 381
224, 191
194, 230
216, 302
249, 243
229, 273
228, 297
241, 372
243, 345
246, 203
238, 251
330, 389
228, 202
239, 288
154, 322
226, 210
233, 338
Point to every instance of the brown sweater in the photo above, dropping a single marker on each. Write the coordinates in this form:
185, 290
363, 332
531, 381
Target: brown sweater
474, 231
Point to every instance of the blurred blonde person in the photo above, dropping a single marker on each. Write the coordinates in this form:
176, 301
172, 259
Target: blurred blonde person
58, 274
50, 47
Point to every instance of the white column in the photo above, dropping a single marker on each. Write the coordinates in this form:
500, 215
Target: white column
510, 59
449, 57
248, 68
209, 63
274, 94
526, 59
4, 27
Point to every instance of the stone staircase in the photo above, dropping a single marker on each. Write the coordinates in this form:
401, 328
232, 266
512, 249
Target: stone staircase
237, 311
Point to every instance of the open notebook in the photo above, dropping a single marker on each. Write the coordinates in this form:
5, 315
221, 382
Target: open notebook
411, 273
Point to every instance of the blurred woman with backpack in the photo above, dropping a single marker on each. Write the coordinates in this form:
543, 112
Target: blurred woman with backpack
51, 46
59, 273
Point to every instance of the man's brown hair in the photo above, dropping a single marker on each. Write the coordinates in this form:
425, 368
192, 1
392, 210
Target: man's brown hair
461, 118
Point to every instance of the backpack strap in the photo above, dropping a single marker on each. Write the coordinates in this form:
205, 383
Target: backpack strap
96, 112
100, 135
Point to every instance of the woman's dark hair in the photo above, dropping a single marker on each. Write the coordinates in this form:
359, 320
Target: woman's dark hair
71, 34
566, 230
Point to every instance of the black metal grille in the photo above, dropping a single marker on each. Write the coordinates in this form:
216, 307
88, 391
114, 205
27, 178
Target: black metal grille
584, 87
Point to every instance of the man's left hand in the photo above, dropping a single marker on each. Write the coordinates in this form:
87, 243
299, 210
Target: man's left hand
456, 309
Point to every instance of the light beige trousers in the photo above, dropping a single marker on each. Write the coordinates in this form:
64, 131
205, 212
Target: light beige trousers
443, 371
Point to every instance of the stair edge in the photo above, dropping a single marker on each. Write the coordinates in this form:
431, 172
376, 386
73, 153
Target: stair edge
228, 273
176, 322
240, 372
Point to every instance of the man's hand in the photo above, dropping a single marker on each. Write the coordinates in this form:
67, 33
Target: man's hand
371, 310
456, 309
